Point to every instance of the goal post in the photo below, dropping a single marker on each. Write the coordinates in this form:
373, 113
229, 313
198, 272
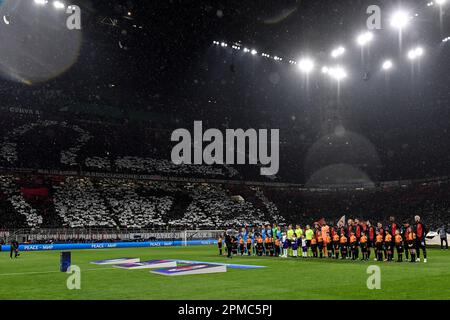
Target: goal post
200, 235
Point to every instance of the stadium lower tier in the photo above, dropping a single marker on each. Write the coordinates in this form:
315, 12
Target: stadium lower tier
81, 202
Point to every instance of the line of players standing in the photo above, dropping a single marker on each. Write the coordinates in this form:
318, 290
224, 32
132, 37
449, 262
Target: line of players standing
341, 241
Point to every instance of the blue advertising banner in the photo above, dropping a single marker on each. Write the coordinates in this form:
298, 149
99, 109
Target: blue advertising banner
107, 245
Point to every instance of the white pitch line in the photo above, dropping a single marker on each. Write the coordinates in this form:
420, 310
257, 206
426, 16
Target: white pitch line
44, 272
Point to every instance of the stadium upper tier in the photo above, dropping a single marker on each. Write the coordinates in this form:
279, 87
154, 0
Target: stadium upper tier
31, 139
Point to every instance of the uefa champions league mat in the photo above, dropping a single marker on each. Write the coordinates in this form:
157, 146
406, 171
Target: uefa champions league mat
171, 267
150, 264
228, 265
190, 269
117, 261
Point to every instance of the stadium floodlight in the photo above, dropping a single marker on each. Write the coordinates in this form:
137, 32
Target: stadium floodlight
364, 38
41, 2
387, 65
58, 4
419, 51
430, 4
325, 69
338, 73
415, 53
306, 65
253, 52
441, 2
338, 52
400, 19
246, 50
223, 44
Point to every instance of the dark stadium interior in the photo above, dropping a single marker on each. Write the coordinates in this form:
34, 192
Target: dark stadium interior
87, 144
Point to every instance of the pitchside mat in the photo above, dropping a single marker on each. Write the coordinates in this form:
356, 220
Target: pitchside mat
228, 265
117, 261
191, 269
150, 264
170, 267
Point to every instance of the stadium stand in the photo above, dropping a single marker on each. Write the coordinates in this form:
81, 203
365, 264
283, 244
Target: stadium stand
86, 202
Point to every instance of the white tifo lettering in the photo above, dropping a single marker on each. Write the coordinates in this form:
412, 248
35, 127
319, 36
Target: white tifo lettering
237, 147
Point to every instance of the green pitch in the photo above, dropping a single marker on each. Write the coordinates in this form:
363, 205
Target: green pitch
35, 275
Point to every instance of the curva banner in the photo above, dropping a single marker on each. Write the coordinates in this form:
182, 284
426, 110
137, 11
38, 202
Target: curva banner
108, 245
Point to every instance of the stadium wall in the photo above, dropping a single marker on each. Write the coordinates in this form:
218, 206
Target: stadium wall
107, 245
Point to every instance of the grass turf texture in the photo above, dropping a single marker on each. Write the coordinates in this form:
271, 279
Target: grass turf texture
35, 275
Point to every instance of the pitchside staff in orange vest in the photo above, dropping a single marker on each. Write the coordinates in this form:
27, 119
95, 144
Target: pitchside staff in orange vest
342, 231
380, 231
379, 246
421, 231
364, 247
399, 246
336, 245
354, 246
412, 244
319, 242
314, 247
388, 245
241, 245
249, 245
343, 246
259, 246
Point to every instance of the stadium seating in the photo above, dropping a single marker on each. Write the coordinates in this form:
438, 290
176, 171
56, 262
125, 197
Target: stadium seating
86, 202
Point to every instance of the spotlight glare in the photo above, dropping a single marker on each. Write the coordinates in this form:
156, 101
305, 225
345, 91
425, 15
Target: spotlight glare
306, 65
41, 2
58, 4
418, 51
253, 52
325, 70
364, 38
400, 19
338, 52
387, 65
337, 73
441, 2
415, 53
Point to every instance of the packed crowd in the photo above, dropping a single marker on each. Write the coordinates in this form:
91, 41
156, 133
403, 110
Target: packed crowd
355, 240
86, 202
77, 202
